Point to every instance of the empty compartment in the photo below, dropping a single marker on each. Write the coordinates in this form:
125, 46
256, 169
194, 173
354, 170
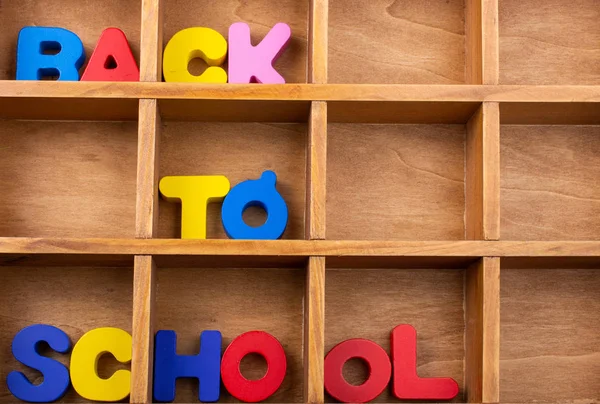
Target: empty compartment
549, 42
396, 182
74, 299
370, 303
67, 179
549, 342
260, 15
549, 182
235, 301
239, 151
401, 41
87, 19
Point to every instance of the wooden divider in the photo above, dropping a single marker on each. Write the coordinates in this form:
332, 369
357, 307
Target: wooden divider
482, 206
316, 176
314, 331
144, 288
151, 41
482, 339
318, 25
483, 174
315, 221
482, 41
146, 224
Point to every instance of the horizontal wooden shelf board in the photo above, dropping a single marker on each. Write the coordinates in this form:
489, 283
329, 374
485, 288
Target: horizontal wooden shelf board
395, 103
327, 248
301, 92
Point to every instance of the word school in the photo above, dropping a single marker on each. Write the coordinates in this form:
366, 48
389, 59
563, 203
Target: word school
210, 368
54, 51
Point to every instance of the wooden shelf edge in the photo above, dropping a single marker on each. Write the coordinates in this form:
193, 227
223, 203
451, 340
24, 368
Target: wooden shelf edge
297, 248
300, 92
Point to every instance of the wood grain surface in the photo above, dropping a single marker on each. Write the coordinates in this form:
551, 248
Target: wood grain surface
396, 182
235, 301
549, 187
76, 300
410, 42
549, 341
431, 300
68, 179
549, 42
87, 19
261, 15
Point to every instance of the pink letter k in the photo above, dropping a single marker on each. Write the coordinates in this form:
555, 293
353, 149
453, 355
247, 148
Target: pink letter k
247, 62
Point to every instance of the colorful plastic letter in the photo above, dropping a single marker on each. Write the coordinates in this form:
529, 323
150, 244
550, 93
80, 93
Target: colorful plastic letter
194, 193
112, 59
84, 360
249, 63
32, 61
56, 375
191, 43
168, 366
260, 193
262, 343
380, 371
407, 385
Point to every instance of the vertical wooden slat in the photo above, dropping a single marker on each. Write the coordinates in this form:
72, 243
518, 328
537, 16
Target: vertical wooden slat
146, 216
151, 41
144, 267
317, 41
482, 357
316, 175
143, 329
314, 331
482, 43
483, 174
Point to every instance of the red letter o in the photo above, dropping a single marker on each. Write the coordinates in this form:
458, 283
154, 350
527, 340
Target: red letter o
262, 343
380, 371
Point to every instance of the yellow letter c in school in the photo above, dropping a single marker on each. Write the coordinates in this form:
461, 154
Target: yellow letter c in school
191, 43
84, 364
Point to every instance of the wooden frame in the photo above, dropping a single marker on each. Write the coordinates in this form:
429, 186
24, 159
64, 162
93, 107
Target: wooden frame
482, 105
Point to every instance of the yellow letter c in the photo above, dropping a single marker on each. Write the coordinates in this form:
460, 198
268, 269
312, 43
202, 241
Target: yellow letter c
191, 43
84, 364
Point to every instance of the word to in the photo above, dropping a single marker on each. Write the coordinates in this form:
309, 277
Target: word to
210, 368
53, 51
196, 192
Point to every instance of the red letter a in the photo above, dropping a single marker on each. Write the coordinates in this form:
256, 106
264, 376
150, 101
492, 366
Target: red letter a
112, 59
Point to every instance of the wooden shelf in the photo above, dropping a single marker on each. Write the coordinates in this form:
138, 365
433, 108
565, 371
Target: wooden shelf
449, 171
297, 248
301, 92
358, 103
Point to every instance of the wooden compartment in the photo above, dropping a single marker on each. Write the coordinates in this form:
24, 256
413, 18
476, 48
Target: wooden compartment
87, 19
234, 301
402, 182
74, 299
549, 182
407, 42
549, 42
240, 151
369, 303
549, 343
260, 15
67, 179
